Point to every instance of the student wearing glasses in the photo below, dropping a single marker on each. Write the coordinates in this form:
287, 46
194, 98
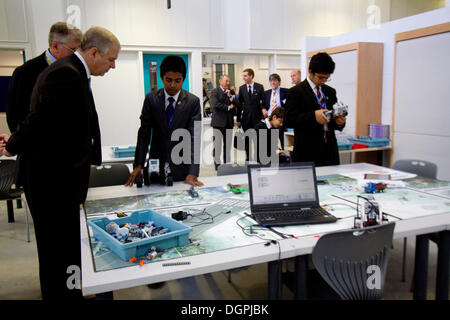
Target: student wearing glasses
305, 112
63, 40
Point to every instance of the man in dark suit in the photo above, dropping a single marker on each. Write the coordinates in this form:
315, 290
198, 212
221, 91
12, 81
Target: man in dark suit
249, 111
274, 98
307, 102
59, 141
63, 40
223, 102
165, 111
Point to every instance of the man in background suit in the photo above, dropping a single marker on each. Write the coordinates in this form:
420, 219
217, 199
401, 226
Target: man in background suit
296, 76
59, 141
307, 102
163, 112
63, 40
249, 111
223, 102
274, 98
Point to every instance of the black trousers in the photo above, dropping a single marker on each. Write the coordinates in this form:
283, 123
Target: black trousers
56, 219
223, 144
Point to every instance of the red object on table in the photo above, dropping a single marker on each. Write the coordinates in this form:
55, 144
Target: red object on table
359, 146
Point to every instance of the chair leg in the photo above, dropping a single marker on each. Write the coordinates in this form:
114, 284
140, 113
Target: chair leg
10, 208
19, 204
26, 219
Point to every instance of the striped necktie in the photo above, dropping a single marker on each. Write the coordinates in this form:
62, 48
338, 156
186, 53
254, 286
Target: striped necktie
319, 96
274, 101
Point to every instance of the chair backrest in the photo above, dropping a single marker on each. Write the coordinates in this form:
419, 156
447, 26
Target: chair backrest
231, 168
420, 167
108, 175
353, 262
7, 175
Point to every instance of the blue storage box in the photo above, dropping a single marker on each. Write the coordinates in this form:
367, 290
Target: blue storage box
177, 236
124, 152
344, 145
370, 142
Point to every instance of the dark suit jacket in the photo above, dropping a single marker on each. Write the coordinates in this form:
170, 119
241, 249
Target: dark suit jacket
221, 117
60, 138
309, 143
267, 98
20, 89
249, 110
154, 126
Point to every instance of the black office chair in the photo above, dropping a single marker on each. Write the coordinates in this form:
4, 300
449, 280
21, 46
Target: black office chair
349, 261
231, 168
108, 175
421, 168
7, 176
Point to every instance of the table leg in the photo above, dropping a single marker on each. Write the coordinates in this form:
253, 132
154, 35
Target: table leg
104, 296
443, 270
421, 267
301, 273
274, 280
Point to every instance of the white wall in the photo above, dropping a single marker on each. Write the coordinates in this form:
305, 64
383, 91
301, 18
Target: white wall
285, 22
385, 34
272, 28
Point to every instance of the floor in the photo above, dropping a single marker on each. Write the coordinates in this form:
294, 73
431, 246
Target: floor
19, 277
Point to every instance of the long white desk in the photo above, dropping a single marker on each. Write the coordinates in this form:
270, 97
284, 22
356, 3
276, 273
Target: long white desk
106, 281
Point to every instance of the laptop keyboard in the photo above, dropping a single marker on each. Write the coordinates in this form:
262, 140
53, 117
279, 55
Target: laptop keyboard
294, 213
286, 217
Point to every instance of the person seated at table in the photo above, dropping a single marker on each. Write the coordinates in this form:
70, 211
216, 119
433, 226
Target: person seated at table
264, 152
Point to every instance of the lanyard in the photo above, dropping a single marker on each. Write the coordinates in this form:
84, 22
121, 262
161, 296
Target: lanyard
324, 105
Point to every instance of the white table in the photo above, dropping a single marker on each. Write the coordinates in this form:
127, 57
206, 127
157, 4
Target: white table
106, 281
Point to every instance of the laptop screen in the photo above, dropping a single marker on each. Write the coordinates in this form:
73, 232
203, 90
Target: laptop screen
282, 185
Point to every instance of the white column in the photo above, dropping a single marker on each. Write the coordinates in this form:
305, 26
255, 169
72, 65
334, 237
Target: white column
272, 64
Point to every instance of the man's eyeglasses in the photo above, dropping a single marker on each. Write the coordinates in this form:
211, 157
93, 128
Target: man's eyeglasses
323, 78
71, 49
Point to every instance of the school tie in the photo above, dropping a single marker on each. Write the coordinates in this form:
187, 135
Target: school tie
319, 96
274, 102
250, 95
325, 126
170, 110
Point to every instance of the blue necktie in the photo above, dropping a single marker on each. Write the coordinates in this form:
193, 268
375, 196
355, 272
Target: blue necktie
170, 110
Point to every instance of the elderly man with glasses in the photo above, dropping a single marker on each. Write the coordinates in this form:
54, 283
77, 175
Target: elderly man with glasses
306, 108
63, 40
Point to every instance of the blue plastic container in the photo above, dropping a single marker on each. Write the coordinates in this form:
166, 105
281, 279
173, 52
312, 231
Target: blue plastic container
371, 142
177, 236
344, 145
124, 152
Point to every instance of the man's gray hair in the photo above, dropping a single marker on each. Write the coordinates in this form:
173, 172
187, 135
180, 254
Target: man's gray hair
223, 76
100, 38
60, 32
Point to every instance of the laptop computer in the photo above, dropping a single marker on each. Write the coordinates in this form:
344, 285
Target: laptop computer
285, 195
